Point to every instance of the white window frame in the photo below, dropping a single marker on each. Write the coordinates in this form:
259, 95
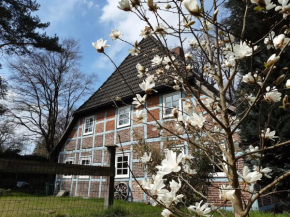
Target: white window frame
116, 161
81, 160
163, 104
85, 125
118, 117
221, 174
68, 160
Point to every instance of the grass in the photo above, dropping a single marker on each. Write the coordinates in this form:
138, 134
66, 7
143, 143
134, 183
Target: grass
25, 205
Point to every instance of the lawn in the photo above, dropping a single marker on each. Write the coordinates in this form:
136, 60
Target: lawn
20, 205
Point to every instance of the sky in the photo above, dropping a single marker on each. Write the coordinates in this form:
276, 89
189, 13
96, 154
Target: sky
87, 21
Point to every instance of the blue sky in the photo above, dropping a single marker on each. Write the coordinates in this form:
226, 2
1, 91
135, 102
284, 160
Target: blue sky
88, 21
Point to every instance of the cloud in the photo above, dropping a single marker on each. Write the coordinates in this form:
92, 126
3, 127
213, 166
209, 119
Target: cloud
131, 26
60, 11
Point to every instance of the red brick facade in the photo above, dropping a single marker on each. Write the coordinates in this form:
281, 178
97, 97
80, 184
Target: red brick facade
80, 147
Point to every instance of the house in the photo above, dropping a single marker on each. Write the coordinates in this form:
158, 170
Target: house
102, 120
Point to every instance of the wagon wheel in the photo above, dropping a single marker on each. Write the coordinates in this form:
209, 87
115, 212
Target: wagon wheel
121, 191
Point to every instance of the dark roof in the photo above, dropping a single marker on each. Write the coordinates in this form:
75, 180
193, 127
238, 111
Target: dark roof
116, 86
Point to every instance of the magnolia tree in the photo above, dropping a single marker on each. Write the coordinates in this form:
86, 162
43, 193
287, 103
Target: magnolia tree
208, 124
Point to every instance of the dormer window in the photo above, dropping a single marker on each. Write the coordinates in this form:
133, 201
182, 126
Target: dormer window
89, 125
124, 116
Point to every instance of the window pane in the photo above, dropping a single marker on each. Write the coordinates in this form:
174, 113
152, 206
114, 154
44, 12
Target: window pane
119, 172
125, 158
126, 121
168, 99
119, 159
168, 105
168, 111
121, 122
125, 165
125, 171
119, 165
175, 104
176, 97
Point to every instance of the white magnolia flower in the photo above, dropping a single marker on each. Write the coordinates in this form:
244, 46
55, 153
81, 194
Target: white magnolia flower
226, 193
251, 99
208, 26
145, 32
160, 29
188, 56
186, 157
192, 7
188, 108
250, 177
156, 61
100, 45
196, 120
135, 51
124, 5
250, 79
138, 100
269, 40
264, 171
170, 163
146, 157
288, 83
269, 134
155, 186
272, 60
186, 168
284, 8
170, 197
140, 114
280, 41
242, 50
193, 43
166, 213
187, 21
148, 84
167, 62
203, 210
269, 5
229, 62
272, 95
141, 70
253, 149
188, 67
115, 34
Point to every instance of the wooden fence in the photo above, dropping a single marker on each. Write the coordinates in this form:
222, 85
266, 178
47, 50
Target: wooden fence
36, 167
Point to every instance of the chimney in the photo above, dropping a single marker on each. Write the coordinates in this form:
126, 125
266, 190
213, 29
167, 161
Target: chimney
178, 51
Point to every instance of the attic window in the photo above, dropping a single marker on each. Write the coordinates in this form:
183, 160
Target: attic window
124, 116
89, 125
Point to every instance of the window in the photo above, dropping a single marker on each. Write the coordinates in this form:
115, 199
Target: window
171, 101
85, 161
124, 116
122, 161
68, 161
217, 172
89, 125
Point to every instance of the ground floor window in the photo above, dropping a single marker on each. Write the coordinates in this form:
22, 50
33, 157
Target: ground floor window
122, 162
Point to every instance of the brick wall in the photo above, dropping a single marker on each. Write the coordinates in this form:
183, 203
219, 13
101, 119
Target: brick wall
106, 133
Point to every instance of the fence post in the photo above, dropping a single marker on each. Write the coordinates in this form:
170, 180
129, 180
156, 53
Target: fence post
109, 199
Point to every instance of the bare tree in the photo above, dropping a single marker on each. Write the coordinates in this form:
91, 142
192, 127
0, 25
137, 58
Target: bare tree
48, 85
